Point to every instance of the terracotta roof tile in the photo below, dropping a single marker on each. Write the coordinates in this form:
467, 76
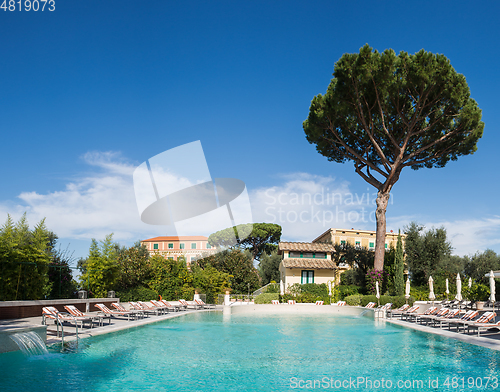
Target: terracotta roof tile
305, 246
309, 263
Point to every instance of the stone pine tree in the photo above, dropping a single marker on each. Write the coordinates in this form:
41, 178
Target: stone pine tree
386, 112
399, 281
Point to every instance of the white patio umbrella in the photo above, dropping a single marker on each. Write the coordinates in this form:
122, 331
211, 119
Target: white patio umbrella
407, 289
459, 288
282, 288
447, 288
470, 283
432, 297
492, 287
377, 293
330, 288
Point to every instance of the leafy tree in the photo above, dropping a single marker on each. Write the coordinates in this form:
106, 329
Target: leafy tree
239, 265
358, 258
480, 264
24, 260
101, 268
171, 278
260, 238
426, 253
269, 267
399, 281
134, 267
210, 281
386, 112
60, 273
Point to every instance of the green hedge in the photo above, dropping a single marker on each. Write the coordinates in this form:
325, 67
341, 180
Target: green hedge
306, 298
353, 300
266, 298
363, 300
137, 294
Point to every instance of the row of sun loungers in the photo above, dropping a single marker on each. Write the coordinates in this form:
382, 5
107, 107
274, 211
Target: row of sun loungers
139, 309
293, 302
455, 319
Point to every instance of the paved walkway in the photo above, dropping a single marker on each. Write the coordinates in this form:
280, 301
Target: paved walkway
115, 324
489, 339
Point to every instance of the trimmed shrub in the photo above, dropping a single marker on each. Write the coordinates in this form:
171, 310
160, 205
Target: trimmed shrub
353, 300
305, 298
319, 290
266, 298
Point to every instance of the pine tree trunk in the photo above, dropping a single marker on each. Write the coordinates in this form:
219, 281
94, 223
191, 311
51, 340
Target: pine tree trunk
382, 201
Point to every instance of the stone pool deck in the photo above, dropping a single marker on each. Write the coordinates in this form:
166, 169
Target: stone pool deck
488, 339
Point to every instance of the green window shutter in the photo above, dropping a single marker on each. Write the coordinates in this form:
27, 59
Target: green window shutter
193, 245
372, 244
155, 246
170, 246
181, 246
209, 246
385, 246
307, 277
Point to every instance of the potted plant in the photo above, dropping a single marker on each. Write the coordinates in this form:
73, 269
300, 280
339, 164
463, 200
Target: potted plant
478, 293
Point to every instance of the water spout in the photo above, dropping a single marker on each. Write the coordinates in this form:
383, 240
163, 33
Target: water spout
29, 343
363, 312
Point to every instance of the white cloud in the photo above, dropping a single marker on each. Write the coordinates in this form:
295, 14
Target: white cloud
305, 205
104, 202
89, 207
471, 236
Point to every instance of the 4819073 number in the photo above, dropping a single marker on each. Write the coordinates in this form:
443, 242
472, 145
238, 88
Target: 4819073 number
28, 5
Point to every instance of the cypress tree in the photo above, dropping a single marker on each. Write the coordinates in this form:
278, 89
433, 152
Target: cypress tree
399, 281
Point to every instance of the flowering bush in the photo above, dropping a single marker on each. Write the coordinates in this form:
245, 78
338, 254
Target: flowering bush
373, 276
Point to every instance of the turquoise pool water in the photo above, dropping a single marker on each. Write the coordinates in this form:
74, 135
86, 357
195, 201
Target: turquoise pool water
210, 352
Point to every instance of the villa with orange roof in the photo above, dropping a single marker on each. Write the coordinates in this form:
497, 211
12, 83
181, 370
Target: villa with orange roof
190, 247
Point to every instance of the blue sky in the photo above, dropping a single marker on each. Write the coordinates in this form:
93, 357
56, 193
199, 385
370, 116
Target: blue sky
93, 89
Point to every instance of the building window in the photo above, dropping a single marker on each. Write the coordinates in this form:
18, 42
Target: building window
358, 244
372, 245
385, 246
170, 246
155, 246
192, 259
209, 246
193, 245
307, 277
181, 246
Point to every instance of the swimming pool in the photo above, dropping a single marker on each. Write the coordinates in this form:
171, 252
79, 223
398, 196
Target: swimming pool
212, 352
